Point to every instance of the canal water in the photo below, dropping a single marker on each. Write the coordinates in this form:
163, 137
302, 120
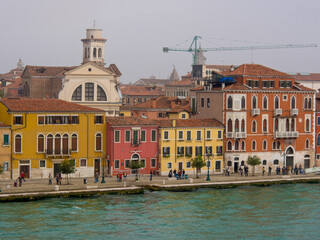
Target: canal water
276, 212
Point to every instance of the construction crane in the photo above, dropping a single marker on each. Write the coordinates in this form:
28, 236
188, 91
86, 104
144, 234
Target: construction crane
199, 59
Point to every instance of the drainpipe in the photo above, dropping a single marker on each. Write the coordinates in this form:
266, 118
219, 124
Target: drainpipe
175, 139
87, 135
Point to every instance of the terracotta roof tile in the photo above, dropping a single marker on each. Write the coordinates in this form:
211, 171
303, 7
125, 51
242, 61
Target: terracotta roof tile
163, 102
190, 123
187, 82
308, 77
2, 125
44, 105
142, 90
255, 70
130, 121
46, 70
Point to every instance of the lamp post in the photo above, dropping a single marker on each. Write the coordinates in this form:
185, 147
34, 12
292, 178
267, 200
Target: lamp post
208, 158
103, 180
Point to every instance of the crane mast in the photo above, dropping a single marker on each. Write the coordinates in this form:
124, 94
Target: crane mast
199, 59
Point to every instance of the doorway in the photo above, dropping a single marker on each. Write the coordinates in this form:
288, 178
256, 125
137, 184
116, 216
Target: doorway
180, 166
26, 170
289, 161
236, 167
56, 168
96, 167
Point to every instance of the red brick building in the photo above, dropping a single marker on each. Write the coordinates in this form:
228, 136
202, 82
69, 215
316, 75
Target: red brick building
132, 139
265, 114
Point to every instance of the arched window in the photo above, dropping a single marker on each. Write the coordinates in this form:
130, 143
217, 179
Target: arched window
77, 94
236, 146
100, 53
254, 102
57, 144
276, 124
98, 142
243, 124
292, 125
236, 125
293, 102
264, 162
307, 125
276, 102
229, 102
229, 163
289, 151
243, 102
276, 162
264, 145
65, 144
287, 125
40, 143
229, 146
305, 103
17, 143
94, 52
243, 146
229, 125
265, 102
74, 143
85, 53
265, 125
254, 145
89, 91
88, 52
307, 144
50, 144
254, 126
318, 140
278, 145
101, 94
242, 163
274, 145
310, 103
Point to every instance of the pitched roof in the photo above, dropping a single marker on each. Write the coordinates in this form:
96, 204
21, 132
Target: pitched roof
129, 121
152, 81
184, 82
113, 68
163, 102
46, 70
142, 90
2, 125
190, 123
307, 77
219, 68
44, 105
255, 70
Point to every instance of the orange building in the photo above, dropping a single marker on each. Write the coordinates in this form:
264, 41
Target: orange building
265, 114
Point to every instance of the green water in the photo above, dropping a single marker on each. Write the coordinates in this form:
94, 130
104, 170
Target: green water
277, 212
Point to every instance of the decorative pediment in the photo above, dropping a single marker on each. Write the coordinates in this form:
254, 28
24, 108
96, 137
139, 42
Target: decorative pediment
90, 69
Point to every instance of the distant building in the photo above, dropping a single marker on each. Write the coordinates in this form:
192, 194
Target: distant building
14, 73
5, 150
310, 80
90, 84
202, 73
179, 88
132, 94
153, 81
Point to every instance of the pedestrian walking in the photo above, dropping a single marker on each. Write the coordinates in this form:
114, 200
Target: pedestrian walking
60, 178
183, 173
263, 171
241, 171
300, 169
20, 181
57, 178
151, 175
50, 179
269, 172
22, 176
124, 176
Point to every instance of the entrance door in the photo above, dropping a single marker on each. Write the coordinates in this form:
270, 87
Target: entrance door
236, 167
56, 168
96, 167
180, 166
306, 163
289, 161
26, 170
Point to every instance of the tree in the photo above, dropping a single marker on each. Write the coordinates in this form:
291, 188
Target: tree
67, 167
253, 161
136, 165
198, 163
1, 169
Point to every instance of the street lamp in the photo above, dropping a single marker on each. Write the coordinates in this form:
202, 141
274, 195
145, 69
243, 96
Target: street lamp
103, 180
208, 158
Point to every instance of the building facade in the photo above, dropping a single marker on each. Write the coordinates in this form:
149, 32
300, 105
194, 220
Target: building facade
131, 139
5, 150
47, 131
265, 114
181, 140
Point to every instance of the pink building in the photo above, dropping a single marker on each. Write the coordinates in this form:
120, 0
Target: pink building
132, 139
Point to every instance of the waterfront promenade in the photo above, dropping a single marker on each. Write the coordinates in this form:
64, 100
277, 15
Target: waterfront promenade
39, 188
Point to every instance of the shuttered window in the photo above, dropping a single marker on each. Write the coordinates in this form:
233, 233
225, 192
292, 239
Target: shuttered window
74, 142
40, 143
98, 142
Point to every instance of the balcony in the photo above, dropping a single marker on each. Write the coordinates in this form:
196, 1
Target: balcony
286, 134
255, 111
240, 135
52, 153
230, 134
294, 112
277, 111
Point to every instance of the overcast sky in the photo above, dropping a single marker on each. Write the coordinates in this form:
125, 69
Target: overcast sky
48, 33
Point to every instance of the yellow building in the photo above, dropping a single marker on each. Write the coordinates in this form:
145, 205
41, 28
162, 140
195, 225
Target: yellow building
47, 131
181, 140
5, 150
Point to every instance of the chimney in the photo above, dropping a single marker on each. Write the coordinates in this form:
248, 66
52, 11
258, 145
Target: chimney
174, 123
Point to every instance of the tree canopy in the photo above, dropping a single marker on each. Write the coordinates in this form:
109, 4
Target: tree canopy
198, 162
67, 167
253, 161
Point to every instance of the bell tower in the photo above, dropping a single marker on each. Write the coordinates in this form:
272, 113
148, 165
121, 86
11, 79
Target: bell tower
93, 46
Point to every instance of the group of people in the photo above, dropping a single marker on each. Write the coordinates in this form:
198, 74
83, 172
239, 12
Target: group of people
19, 180
179, 175
120, 176
286, 170
245, 170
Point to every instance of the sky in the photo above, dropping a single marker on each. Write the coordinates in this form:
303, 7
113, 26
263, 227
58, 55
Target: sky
49, 33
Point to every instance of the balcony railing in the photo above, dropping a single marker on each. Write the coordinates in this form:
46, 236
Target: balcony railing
278, 111
294, 112
255, 111
286, 134
230, 134
240, 135
62, 153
